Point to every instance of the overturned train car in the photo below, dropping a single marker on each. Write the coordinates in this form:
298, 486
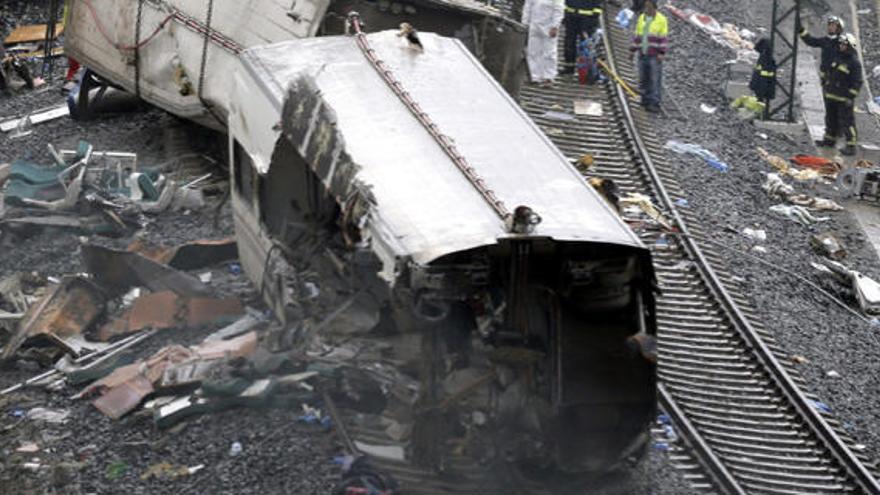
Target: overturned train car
553, 307
178, 54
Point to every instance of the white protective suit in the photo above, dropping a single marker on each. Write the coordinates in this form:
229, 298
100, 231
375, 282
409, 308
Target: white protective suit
542, 53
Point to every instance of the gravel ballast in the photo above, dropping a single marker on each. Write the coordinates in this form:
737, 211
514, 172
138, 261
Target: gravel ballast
804, 322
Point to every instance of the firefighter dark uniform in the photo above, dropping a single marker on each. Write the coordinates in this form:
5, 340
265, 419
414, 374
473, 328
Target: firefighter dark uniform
842, 86
581, 18
763, 82
827, 44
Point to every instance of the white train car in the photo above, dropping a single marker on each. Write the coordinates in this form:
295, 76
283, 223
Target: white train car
179, 54
496, 240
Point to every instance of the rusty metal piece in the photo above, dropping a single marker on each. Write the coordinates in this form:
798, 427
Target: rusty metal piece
64, 312
191, 256
159, 311
828, 245
121, 270
201, 311
163, 310
123, 399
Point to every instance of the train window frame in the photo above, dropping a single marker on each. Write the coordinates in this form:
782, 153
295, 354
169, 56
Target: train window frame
245, 175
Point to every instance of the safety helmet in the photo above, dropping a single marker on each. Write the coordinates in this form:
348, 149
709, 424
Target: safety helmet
837, 20
849, 39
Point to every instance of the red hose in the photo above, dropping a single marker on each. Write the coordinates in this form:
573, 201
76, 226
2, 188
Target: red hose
118, 46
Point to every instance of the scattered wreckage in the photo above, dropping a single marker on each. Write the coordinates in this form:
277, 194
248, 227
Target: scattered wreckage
372, 201
90, 192
860, 182
865, 289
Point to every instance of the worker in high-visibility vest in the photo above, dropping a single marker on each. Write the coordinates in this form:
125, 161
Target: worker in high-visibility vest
650, 43
842, 86
581, 21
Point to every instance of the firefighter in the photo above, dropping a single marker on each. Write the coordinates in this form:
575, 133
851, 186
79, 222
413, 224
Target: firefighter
581, 21
763, 82
828, 44
842, 86
650, 43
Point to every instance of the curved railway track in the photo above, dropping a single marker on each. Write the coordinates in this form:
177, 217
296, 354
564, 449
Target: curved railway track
724, 382
731, 395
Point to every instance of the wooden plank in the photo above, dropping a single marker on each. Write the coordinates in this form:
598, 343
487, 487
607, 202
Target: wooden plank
31, 32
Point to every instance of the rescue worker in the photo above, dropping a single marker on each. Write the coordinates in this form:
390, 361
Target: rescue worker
650, 44
543, 18
763, 82
581, 21
828, 44
843, 83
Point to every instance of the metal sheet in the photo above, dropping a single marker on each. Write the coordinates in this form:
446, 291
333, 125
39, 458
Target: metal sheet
64, 312
425, 207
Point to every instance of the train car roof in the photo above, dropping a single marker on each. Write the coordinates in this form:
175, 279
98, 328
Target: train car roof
424, 206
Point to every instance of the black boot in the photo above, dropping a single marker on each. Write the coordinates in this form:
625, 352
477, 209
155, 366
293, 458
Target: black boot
825, 143
848, 150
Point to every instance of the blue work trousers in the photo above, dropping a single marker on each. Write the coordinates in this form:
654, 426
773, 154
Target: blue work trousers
651, 76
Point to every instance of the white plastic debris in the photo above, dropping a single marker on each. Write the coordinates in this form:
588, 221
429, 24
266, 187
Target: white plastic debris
131, 296
708, 108
390, 452
756, 234
587, 107
876, 72
797, 214
235, 449
206, 277
832, 374
554, 115
760, 249
28, 448
55, 416
776, 187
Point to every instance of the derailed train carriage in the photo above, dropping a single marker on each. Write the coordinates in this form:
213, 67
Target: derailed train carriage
411, 162
178, 54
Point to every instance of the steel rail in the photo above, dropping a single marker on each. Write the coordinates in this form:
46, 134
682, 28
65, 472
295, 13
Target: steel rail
792, 392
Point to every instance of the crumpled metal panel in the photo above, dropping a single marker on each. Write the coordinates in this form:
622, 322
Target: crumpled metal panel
423, 205
120, 270
63, 313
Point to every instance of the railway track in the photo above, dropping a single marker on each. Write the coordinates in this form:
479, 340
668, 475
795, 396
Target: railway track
726, 385
732, 397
